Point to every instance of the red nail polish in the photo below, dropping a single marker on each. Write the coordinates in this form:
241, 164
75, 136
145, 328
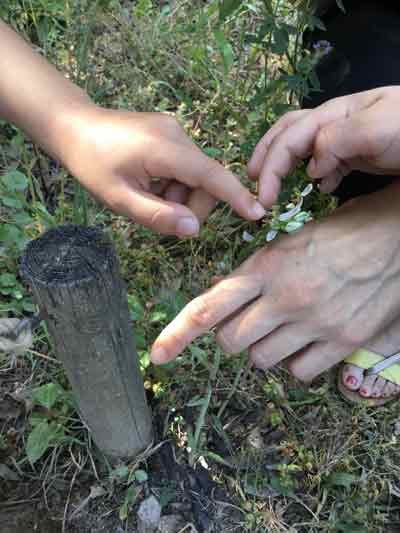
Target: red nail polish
351, 380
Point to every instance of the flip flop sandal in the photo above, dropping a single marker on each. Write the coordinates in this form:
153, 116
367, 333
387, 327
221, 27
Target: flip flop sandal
374, 364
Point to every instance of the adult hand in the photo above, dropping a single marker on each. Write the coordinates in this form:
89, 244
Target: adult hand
116, 155
312, 297
356, 132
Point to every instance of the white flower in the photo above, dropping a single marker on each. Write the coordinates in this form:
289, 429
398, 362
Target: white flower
292, 212
247, 237
271, 235
306, 191
303, 217
293, 226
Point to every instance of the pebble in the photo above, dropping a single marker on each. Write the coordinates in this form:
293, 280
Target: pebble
148, 516
171, 523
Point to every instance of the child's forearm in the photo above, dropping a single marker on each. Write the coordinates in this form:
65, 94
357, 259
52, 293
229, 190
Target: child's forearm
34, 95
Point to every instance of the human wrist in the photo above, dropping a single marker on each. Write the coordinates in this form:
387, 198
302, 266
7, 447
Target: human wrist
65, 125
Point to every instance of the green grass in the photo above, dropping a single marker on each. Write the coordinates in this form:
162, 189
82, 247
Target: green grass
292, 458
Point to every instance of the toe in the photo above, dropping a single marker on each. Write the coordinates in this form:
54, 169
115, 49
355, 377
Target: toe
352, 376
367, 386
378, 388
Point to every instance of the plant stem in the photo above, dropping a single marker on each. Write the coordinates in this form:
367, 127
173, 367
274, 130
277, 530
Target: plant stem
243, 371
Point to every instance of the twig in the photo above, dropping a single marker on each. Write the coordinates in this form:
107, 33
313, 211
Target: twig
192, 528
68, 500
17, 502
46, 357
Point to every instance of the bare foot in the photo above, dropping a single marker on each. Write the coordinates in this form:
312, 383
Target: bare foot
374, 386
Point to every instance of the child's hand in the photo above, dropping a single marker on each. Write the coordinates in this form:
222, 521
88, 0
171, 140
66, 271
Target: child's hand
144, 166
140, 164
356, 132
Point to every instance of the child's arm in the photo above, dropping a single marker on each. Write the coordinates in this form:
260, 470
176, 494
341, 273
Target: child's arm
33, 94
116, 154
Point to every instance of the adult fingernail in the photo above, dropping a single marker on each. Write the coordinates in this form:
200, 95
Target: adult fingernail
258, 210
187, 226
158, 355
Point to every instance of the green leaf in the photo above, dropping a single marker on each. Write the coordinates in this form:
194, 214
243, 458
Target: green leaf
6, 291
8, 280
315, 22
141, 476
341, 479
212, 152
135, 307
279, 487
195, 402
281, 40
227, 7
158, 316
41, 438
28, 306
10, 235
349, 527
265, 28
11, 201
167, 495
48, 395
121, 472
199, 354
15, 181
225, 50
130, 498
44, 215
200, 422
22, 218
144, 357
141, 343
217, 458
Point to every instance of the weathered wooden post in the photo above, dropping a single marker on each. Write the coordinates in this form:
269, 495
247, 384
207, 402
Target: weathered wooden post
74, 275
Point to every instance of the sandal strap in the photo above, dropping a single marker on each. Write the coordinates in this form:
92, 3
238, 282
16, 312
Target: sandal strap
370, 360
386, 363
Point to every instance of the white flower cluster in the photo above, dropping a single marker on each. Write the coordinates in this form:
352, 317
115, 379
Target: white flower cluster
290, 221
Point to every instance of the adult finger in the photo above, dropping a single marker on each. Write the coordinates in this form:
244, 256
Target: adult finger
190, 166
316, 358
257, 159
344, 140
332, 181
249, 326
280, 344
296, 142
203, 313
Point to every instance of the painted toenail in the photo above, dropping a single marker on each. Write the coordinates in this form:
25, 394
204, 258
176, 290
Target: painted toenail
351, 380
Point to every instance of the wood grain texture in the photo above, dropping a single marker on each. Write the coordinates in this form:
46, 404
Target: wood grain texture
75, 278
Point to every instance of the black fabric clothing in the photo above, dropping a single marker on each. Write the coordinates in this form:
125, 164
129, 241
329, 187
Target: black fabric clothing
366, 55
